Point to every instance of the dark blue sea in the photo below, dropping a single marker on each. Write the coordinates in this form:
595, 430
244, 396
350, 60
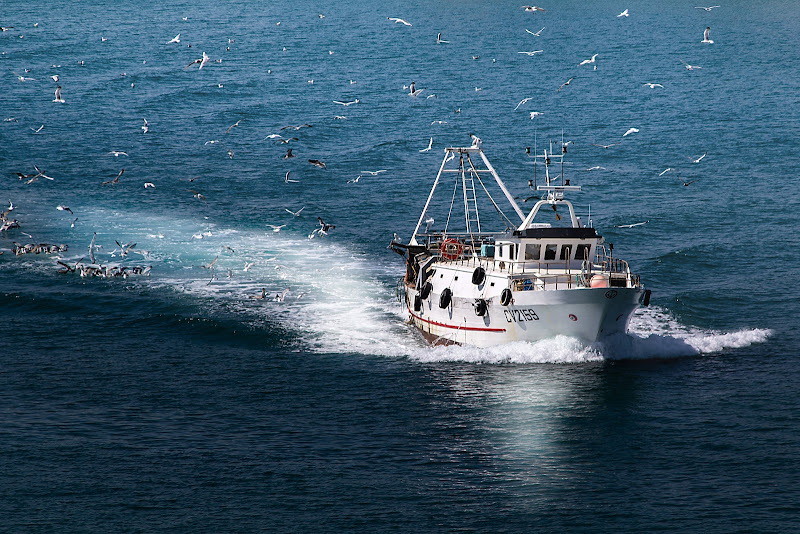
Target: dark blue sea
175, 402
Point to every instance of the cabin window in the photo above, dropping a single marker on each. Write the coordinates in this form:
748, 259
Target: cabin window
582, 252
532, 252
566, 252
550, 252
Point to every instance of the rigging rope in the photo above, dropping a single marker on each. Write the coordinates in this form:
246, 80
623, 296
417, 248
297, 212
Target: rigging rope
507, 221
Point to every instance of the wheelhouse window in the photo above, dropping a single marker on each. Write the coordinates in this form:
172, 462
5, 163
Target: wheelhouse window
550, 252
566, 252
582, 252
532, 252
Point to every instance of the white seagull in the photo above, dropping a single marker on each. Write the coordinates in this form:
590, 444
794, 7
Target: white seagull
537, 34
374, 173
23, 78
295, 213
286, 179
399, 21
523, 101
276, 228
439, 39
430, 145
587, 61
118, 153
630, 131
176, 39
202, 61
697, 160
533, 9
145, 126
652, 85
535, 114
356, 101
706, 34
624, 14
709, 8
533, 53
689, 67
665, 171
58, 96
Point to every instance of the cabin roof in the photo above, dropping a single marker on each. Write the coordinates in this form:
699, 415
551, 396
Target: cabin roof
558, 233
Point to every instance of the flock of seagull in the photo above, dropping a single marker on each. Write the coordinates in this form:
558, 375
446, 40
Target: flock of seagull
8, 224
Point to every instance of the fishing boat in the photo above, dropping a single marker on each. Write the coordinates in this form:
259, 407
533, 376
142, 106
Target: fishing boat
529, 281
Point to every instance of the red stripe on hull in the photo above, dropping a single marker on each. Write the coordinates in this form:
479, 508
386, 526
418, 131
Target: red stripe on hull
476, 329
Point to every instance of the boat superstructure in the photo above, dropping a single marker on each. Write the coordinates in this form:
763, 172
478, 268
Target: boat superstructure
526, 282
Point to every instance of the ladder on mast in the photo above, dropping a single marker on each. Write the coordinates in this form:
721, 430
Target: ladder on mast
470, 211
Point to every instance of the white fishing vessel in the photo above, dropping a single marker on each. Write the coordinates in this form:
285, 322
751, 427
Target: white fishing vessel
530, 281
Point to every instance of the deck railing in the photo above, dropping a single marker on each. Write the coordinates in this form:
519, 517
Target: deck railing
537, 275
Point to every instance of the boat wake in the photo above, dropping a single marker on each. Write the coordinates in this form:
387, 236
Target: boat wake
653, 334
330, 298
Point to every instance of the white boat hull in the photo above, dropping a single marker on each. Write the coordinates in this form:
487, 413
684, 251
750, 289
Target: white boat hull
587, 314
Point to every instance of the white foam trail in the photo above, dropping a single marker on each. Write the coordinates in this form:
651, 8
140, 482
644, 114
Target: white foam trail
341, 302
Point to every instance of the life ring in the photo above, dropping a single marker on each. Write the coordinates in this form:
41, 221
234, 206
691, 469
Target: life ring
451, 248
481, 307
478, 276
505, 297
445, 297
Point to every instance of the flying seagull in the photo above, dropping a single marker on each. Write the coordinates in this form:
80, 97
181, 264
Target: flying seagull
631, 225
399, 21
356, 101
533, 53
286, 180
295, 213
565, 84
697, 160
202, 61
624, 14
232, 126
689, 67
533, 9
374, 173
145, 126
665, 171
630, 131
118, 153
587, 61
605, 146
537, 34
686, 184
325, 227
176, 39
317, 163
23, 78
652, 85
430, 145
114, 181
439, 39
709, 8
523, 101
